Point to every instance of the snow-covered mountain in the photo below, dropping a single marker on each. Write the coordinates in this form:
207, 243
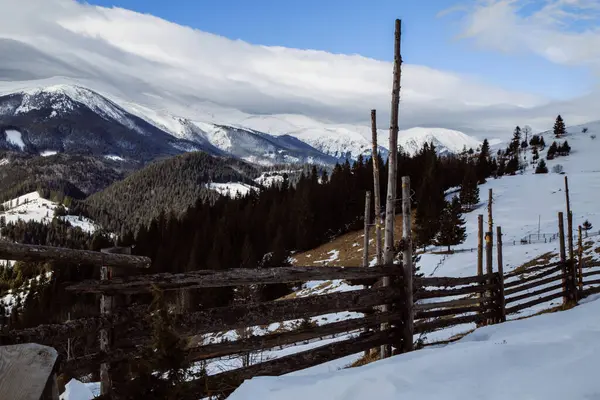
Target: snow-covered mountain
72, 118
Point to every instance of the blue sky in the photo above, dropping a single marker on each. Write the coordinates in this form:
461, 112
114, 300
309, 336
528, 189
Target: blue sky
366, 28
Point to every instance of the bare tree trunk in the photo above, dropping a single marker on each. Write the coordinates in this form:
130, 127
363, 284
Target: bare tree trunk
376, 189
388, 256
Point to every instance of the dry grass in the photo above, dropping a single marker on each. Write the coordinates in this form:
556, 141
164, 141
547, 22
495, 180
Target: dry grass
366, 359
350, 246
541, 260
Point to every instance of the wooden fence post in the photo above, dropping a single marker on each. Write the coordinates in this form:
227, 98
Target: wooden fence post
569, 220
392, 161
580, 259
365, 261
480, 244
408, 267
376, 188
563, 257
502, 303
106, 308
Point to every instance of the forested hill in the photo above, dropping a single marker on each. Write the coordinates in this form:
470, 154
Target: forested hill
170, 185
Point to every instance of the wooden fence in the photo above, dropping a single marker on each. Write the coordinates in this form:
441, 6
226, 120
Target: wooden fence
439, 303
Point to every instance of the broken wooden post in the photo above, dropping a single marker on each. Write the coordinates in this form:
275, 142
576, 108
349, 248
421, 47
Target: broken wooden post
365, 261
501, 300
407, 278
106, 308
563, 257
376, 189
388, 257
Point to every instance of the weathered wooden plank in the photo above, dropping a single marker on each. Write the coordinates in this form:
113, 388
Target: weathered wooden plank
430, 294
230, 277
244, 315
450, 281
25, 252
537, 268
429, 326
522, 306
534, 293
287, 338
590, 291
590, 273
24, 370
532, 285
227, 381
449, 311
551, 271
449, 303
592, 282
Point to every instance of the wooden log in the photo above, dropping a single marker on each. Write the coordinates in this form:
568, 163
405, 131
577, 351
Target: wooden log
25, 252
430, 326
390, 208
590, 273
533, 285
449, 303
449, 312
534, 293
590, 291
558, 268
580, 258
501, 295
450, 281
230, 277
365, 261
563, 256
407, 262
430, 294
376, 189
522, 306
480, 245
245, 315
25, 370
569, 221
515, 274
227, 381
593, 282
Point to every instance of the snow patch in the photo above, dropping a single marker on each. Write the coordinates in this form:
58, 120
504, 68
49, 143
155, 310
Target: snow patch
48, 153
231, 189
14, 137
75, 390
114, 157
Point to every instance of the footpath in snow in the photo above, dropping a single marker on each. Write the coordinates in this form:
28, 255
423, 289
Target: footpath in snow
552, 356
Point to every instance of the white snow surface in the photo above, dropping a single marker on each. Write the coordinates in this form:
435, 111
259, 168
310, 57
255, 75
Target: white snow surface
114, 157
14, 137
75, 390
231, 189
4, 161
48, 153
552, 356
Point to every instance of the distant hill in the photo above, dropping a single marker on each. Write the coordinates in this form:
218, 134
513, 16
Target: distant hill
173, 184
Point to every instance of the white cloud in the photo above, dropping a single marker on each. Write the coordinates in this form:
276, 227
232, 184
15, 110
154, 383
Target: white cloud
149, 60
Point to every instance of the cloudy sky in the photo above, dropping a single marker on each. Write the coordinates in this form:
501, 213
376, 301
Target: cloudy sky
477, 66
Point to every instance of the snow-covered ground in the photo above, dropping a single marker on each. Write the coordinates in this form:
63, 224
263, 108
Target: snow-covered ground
32, 207
231, 189
14, 137
552, 356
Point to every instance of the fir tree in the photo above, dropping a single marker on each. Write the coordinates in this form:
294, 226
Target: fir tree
512, 166
559, 127
587, 226
541, 167
565, 149
536, 154
452, 225
552, 150
516, 141
542, 143
469, 191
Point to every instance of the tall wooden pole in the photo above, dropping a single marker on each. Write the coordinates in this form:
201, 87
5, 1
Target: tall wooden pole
388, 256
569, 222
501, 300
563, 257
376, 189
480, 244
489, 244
408, 265
365, 262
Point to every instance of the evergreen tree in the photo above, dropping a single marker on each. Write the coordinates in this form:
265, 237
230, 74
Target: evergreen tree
512, 166
542, 143
536, 154
452, 225
469, 191
565, 149
541, 167
552, 151
587, 226
515, 144
559, 127
534, 141
484, 167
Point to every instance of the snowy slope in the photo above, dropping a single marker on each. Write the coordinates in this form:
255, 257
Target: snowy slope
445, 140
32, 207
553, 356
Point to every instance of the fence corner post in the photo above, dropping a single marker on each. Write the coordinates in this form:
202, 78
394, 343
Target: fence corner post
501, 300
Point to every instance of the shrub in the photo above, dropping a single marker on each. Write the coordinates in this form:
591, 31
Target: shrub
557, 169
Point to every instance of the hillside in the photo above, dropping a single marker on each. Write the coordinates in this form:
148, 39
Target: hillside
170, 185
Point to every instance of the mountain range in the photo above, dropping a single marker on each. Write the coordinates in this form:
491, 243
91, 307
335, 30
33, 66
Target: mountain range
69, 118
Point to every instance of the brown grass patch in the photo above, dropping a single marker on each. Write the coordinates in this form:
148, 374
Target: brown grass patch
541, 260
366, 359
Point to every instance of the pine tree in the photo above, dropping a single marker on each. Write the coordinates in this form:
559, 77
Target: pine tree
565, 149
484, 167
542, 143
516, 141
587, 226
541, 167
452, 225
536, 154
469, 191
512, 166
552, 150
559, 127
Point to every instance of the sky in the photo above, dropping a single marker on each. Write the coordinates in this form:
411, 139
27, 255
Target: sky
473, 65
